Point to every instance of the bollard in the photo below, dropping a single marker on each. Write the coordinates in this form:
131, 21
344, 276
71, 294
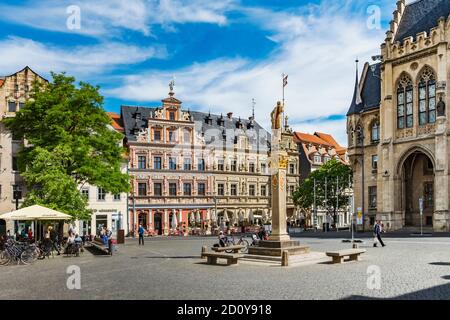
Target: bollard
355, 246
203, 251
285, 258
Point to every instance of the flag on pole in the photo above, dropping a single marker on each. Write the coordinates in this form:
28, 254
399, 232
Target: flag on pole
285, 80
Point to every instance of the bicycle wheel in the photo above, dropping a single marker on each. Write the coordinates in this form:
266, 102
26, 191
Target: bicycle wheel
28, 256
5, 258
246, 245
230, 242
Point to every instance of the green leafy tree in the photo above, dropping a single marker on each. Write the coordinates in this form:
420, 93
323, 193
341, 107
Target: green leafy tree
326, 178
69, 142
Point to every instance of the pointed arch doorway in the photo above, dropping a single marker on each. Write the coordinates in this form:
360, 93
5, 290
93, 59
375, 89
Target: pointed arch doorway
418, 183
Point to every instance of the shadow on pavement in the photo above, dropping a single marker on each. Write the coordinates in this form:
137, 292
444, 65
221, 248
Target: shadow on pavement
441, 292
440, 263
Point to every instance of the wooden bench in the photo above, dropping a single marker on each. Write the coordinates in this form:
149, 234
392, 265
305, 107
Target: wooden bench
98, 243
338, 256
235, 249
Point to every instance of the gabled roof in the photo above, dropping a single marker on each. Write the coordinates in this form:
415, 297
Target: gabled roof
116, 122
29, 69
328, 138
422, 15
309, 138
369, 90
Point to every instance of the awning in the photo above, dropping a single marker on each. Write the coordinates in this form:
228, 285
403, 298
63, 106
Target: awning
35, 212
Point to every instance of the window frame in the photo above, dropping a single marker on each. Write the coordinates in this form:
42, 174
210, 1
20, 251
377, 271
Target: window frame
374, 161
171, 189
144, 194
140, 162
199, 189
187, 191
405, 90
187, 164
157, 137
233, 190
160, 188
220, 189
372, 192
157, 162
252, 190
101, 194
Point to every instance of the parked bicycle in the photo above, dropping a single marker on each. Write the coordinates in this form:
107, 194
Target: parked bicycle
230, 241
19, 252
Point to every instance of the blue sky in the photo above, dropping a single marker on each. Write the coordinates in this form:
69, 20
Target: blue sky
222, 53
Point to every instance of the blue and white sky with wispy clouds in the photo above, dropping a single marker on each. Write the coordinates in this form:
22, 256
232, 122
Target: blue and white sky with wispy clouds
222, 53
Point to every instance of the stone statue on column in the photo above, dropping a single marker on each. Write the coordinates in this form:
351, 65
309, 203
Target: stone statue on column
279, 240
441, 108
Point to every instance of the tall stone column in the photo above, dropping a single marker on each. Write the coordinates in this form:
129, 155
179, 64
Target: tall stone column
279, 240
278, 185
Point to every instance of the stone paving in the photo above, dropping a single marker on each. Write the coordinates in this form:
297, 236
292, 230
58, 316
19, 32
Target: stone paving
411, 268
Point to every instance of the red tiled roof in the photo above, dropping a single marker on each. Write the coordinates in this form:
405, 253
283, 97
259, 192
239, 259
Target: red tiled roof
328, 138
1, 82
309, 138
116, 122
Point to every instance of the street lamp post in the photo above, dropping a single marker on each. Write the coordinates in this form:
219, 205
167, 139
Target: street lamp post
360, 132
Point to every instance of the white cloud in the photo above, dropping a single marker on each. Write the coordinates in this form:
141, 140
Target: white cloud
317, 48
112, 17
84, 60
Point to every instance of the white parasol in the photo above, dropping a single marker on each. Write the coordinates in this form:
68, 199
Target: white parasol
251, 218
174, 220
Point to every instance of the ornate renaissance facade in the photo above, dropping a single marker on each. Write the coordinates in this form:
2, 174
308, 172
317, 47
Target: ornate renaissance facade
397, 123
187, 165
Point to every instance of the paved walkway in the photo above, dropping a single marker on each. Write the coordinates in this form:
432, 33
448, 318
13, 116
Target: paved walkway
171, 269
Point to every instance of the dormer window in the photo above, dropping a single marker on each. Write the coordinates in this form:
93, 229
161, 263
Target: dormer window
208, 119
239, 124
221, 121
138, 116
172, 115
317, 158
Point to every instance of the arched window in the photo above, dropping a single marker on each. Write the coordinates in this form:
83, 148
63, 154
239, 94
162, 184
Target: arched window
375, 132
405, 103
427, 97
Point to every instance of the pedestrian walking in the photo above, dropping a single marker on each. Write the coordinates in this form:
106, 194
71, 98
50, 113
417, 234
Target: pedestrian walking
54, 239
377, 230
141, 234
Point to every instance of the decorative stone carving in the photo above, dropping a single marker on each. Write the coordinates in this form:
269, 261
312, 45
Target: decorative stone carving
427, 129
158, 114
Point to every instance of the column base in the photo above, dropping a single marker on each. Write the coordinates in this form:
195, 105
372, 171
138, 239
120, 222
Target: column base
275, 248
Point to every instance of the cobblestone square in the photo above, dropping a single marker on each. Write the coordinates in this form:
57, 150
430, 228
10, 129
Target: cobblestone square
411, 268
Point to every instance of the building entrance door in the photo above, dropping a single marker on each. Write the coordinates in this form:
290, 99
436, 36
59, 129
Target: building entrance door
158, 223
418, 182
